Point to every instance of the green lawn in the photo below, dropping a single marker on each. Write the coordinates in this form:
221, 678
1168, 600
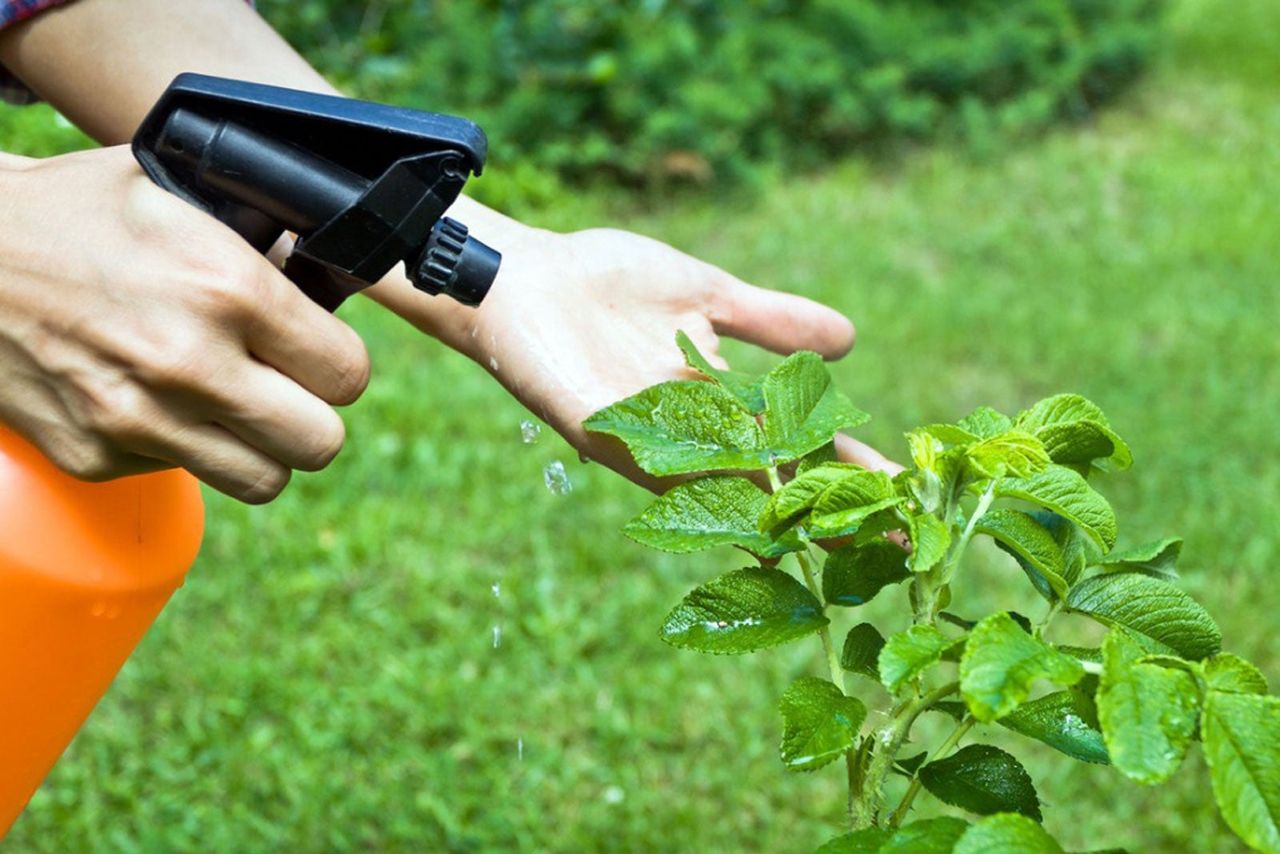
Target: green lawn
327, 679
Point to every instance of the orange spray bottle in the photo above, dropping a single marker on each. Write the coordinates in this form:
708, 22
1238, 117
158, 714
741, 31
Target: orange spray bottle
85, 568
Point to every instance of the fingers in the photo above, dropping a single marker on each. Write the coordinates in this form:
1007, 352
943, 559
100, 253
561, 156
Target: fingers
224, 461
779, 321
850, 450
306, 343
281, 419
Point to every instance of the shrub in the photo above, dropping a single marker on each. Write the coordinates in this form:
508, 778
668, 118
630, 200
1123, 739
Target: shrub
647, 90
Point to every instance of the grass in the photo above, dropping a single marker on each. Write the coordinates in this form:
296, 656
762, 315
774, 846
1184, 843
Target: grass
327, 679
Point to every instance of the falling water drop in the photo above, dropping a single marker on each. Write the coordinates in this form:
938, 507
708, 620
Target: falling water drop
496, 588
529, 431
520, 749
497, 636
557, 479
493, 364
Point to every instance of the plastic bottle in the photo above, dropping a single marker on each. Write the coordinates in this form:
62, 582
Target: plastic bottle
84, 570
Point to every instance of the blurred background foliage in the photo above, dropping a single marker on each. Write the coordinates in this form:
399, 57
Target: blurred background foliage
327, 679
694, 91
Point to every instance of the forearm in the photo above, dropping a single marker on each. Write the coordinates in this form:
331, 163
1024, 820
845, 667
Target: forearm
103, 63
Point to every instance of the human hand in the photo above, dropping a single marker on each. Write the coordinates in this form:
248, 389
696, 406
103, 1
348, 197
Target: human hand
578, 321
138, 333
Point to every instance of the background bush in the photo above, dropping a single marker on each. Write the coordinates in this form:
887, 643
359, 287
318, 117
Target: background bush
651, 90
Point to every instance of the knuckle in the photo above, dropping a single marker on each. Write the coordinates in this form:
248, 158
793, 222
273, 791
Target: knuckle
116, 411
351, 372
232, 287
84, 459
265, 486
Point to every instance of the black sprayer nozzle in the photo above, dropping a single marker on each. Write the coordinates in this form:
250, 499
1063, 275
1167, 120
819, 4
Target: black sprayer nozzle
364, 186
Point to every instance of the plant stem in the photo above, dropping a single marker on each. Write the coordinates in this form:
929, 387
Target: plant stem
853, 764
946, 747
984, 504
886, 750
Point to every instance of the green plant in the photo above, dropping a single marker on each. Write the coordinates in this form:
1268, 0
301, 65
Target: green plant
1158, 682
659, 91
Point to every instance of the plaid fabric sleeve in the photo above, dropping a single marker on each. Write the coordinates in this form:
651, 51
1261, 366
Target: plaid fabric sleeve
11, 12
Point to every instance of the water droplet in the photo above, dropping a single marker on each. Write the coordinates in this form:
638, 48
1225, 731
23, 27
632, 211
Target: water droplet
613, 795
529, 431
496, 587
556, 478
497, 636
520, 749
493, 364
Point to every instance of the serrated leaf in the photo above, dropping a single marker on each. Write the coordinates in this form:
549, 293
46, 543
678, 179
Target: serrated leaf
745, 387
1075, 432
852, 575
1151, 607
1008, 833
1064, 720
1231, 674
949, 434
984, 422
821, 456
1148, 712
796, 498
685, 426
710, 511
1031, 544
1243, 752
1013, 453
1001, 662
819, 723
865, 841
930, 539
1068, 494
911, 764
1158, 559
982, 779
841, 508
929, 836
743, 611
861, 651
1078, 549
803, 409
908, 654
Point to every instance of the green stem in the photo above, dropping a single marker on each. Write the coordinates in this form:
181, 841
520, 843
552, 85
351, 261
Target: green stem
890, 741
946, 747
984, 504
852, 763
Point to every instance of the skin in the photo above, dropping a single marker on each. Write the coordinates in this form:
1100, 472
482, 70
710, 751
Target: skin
111, 372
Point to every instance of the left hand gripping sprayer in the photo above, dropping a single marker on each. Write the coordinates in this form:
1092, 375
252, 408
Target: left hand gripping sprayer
86, 567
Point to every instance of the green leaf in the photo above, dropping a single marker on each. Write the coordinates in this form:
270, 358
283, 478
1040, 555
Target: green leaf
803, 410
1014, 453
710, 511
826, 454
819, 723
861, 652
911, 764
865, 841
1008, 833
685, 426
1231, 674
1064, 720
745, 387
1158, 559
930, 539
1078, 549
796, 498
1068, 494
853, 575
1148, 712
1032, 544
1151, 607
1075, 432
743, 611
1243, 752
841, 508
930, 836
985, 423
908, 654
982, 779
1001, 662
